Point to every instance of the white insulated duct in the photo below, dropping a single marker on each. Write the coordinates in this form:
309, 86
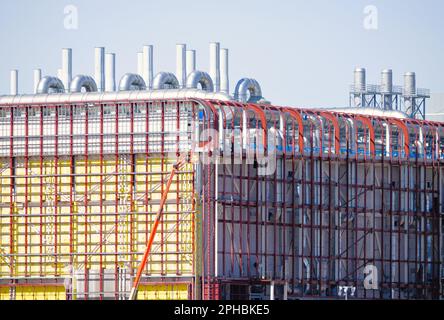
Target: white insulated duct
97, 97
224, 74
181, 68
131, 81
14, 82
215, 65
66, 74
85, 82
110, 72
191, 61
148, 69
37, 77
99, 68
165, 80
375, 112
199, 77
48, 85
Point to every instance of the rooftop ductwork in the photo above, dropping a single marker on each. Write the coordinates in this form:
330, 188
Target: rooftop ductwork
50, 84
215, 65
165, 80
181, 66
248, 90
131, 81
147, 62
85, 82
199, 77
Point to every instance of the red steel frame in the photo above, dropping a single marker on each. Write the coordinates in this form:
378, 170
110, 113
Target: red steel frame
308, 232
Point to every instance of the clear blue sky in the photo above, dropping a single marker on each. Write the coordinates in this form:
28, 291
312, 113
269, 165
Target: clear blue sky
302, 52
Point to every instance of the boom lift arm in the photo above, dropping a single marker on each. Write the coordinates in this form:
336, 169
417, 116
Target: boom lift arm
176, 167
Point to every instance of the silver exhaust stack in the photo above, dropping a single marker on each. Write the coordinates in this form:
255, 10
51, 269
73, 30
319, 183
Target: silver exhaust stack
181, 69
14, 83
110, 72
66, 75
99, 74
224, 75
148, 70
140, 63
387, 88
215, 65
409, 92
37, 77
191, 61
360, 87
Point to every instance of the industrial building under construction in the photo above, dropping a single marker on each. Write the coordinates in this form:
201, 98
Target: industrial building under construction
271, 202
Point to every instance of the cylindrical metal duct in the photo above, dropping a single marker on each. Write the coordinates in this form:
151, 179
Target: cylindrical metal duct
14, 83
66, 75
224, 74
409, 84
165, 80
82, 81
215, 65
360, 82
387, 81
131, 81
50, 85
246, 87
181, 69
191, 61
60, 74
148, 69
199, 77
37, 77
140, 67
110, 72
99, 68
387, 88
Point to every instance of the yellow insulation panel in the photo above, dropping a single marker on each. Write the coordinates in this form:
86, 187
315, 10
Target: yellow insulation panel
93, 213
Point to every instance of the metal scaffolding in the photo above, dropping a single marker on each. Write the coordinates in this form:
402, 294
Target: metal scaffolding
280, 202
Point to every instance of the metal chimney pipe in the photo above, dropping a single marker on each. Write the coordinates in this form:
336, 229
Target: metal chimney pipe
409, 93
360, 87
148, 70
60, 74
224, 74
215, 65
181, 68
37, 77
14, 82
387, 88
99, 68
66, 75
110, 72
191, 61
140, 66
